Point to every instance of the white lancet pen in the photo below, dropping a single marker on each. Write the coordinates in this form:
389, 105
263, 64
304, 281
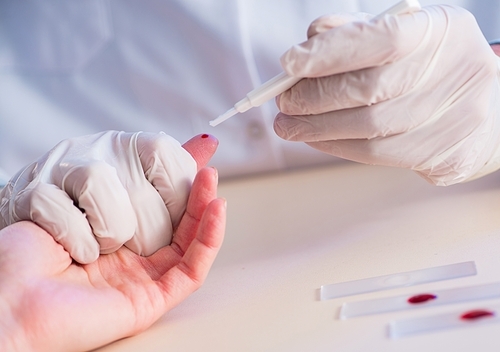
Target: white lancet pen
282, 82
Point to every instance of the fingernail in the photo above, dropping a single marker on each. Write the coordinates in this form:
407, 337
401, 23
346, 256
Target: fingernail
215, 173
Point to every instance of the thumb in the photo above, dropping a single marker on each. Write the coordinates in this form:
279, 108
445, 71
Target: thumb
201, 147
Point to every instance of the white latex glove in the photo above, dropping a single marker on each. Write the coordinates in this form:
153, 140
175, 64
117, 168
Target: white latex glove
419, 91
98, 192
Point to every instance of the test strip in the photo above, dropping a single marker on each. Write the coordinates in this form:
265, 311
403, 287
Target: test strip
465, 318
419, 300
386, 282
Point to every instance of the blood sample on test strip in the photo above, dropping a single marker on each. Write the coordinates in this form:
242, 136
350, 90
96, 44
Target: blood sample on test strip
470, 318
476, 314
422, 298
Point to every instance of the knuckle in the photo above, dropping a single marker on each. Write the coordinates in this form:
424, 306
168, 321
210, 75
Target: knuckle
156, 141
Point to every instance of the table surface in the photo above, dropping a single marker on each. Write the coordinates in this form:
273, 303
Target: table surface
290, 233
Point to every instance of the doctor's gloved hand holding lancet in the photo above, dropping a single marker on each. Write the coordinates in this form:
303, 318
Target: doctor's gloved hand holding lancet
419, 91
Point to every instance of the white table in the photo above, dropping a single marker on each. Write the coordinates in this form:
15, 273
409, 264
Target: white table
288, 234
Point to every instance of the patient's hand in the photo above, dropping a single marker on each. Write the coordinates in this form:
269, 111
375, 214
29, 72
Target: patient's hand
50, 303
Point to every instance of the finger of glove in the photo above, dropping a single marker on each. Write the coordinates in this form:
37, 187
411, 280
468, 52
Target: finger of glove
98, 191
150, 223
327, 22
399, 115
352, 89
53, 210
169, 168
154, 225
387, 118
453, 151
201, 147
357, 45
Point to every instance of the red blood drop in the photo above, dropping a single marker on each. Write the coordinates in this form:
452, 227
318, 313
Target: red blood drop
421, 298
476, 314
204, 136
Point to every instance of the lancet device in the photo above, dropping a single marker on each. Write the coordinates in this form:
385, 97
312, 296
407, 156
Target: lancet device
282, 82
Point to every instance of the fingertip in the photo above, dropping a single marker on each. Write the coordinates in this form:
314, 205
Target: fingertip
223, 202
202, 147
288, 59
277, 100
210, 174
325, 23
213, 226
206, 179
278, 126
87, 256
215, 173
221, 207
53, 210
220, 202
81, 245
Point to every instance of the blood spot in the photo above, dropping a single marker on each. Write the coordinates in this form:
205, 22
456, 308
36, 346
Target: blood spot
421, 298
477, 314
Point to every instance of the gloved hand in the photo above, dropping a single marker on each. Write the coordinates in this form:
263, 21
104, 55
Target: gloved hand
98, 192
419, 91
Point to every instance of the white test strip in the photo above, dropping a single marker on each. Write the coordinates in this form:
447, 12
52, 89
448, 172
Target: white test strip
419, 300
464, 318
410, 278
